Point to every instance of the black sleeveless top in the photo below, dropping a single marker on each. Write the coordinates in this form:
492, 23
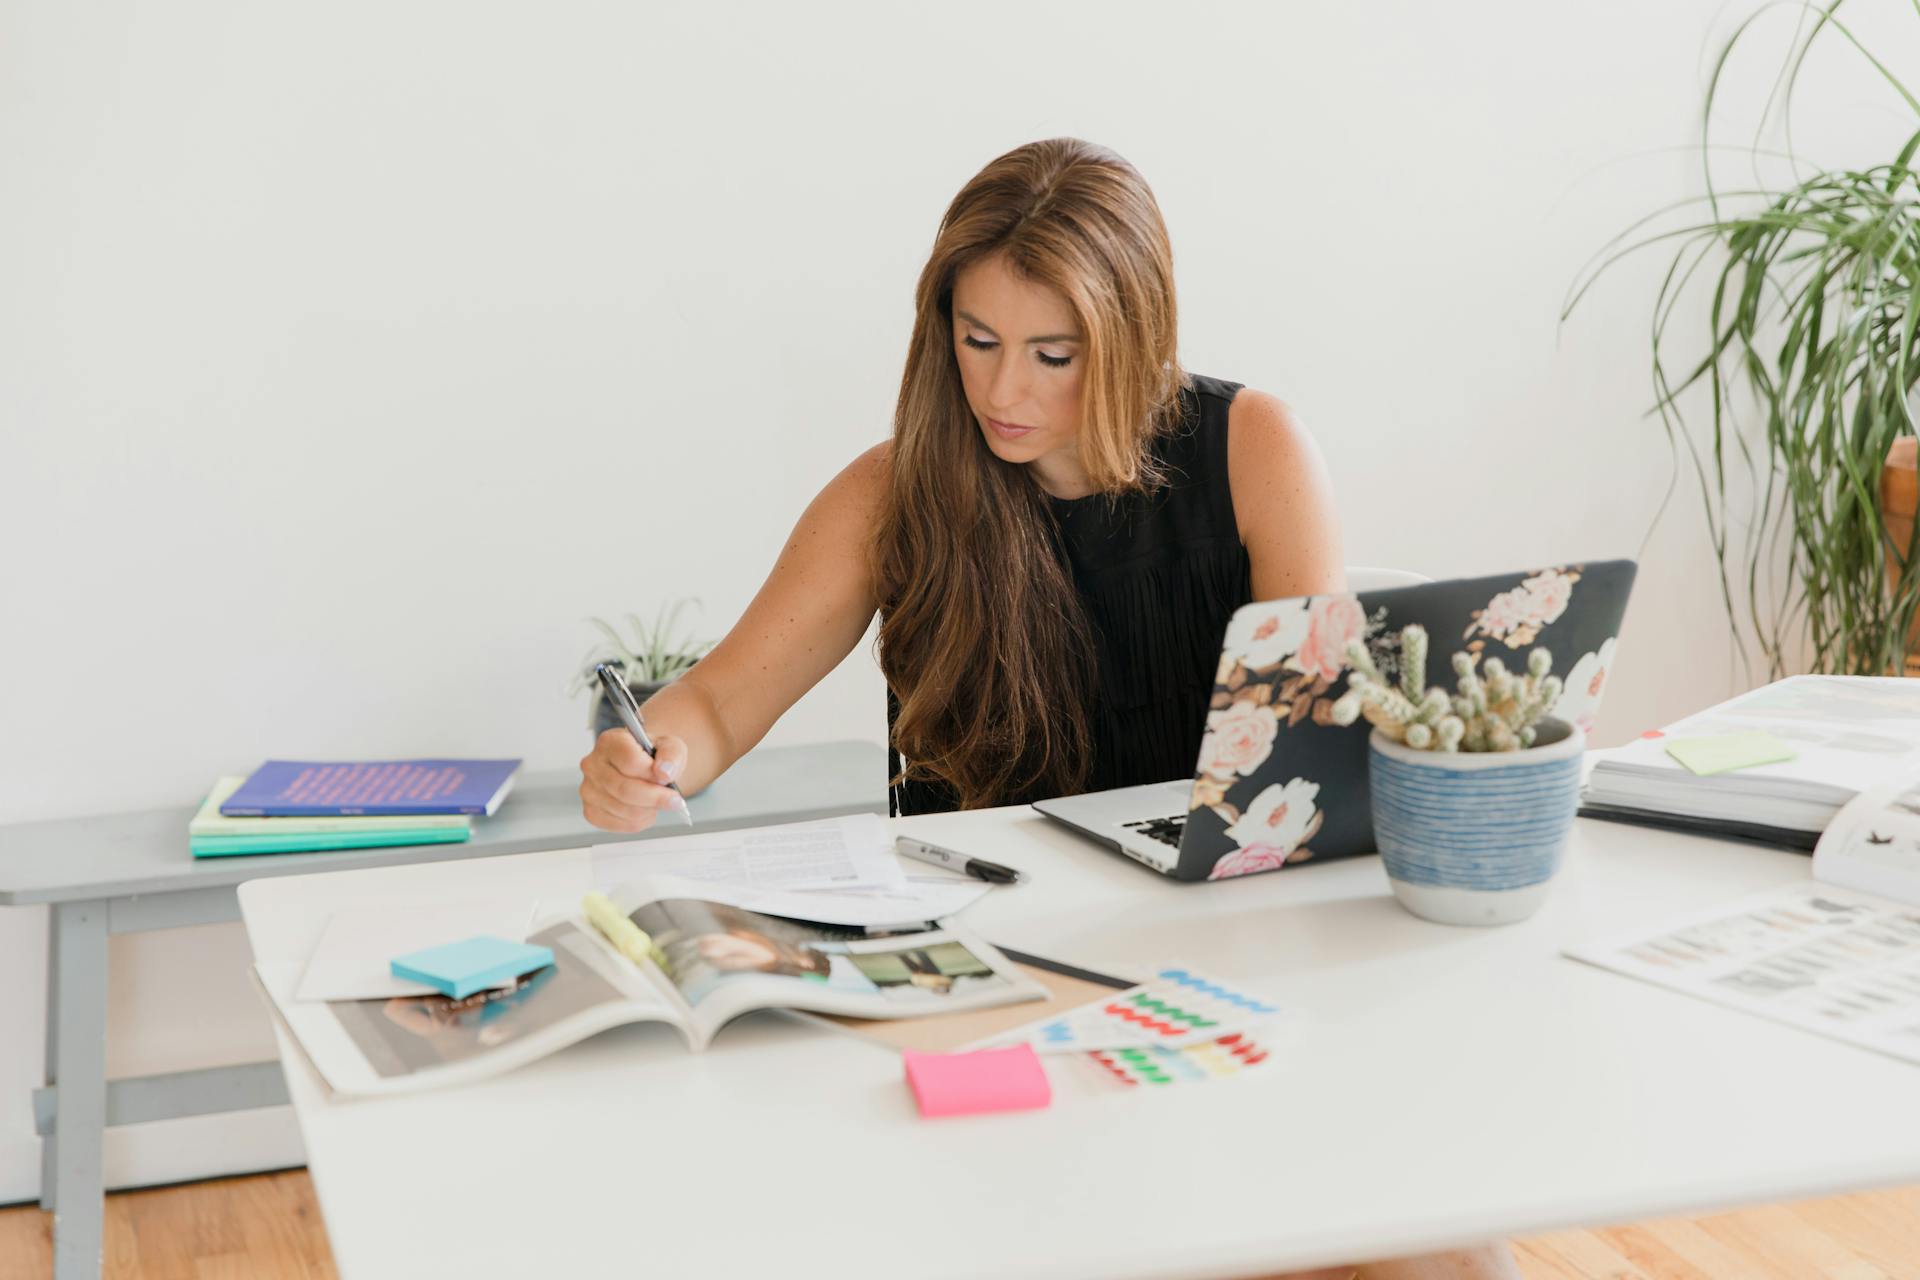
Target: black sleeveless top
1158, 575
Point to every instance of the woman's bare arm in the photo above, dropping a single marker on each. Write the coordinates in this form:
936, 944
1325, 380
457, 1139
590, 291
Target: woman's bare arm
1282, 500
813, 608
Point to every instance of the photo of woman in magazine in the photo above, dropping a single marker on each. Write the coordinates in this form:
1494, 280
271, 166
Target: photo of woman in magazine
486, 1015
401, 1034
708, 943
743, 950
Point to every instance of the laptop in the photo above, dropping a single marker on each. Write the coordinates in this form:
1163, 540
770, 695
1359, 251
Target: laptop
1277, 783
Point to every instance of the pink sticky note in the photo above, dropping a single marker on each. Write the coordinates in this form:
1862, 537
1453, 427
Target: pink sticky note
964, 1084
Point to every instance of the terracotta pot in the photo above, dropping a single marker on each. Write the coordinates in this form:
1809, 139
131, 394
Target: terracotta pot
1899, 500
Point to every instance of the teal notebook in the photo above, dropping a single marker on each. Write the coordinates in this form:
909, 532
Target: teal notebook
314, 841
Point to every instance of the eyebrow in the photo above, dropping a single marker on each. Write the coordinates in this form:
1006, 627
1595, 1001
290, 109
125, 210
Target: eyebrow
975, 321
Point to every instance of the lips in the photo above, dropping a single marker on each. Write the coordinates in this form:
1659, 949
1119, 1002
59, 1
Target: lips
1009, 430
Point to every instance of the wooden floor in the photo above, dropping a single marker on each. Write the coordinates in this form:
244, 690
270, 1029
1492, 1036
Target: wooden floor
268, 1228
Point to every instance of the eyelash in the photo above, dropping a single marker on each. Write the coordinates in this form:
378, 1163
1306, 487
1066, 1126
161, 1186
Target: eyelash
1053, 362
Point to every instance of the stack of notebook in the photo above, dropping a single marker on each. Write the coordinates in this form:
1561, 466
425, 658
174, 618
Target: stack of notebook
288, 806
1843, 734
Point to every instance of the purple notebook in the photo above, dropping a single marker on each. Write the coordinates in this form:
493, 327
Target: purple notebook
311, 789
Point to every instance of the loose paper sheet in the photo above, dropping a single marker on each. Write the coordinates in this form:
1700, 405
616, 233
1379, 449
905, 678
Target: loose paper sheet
1820, 957
833, 853
350, 960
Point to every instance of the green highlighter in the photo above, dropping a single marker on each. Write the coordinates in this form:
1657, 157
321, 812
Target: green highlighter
1725, 752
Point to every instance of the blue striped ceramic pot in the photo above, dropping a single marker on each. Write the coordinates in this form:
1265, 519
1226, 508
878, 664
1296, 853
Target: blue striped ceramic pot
1475, 837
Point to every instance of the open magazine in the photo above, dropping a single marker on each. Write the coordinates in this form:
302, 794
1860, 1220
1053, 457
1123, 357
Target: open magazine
713, 961
1838, 954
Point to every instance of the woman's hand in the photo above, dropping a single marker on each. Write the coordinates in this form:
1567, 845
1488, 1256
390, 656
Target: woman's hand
807, 616
622, 788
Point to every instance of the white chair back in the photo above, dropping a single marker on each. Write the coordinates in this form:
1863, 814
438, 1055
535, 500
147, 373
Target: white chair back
1363, 579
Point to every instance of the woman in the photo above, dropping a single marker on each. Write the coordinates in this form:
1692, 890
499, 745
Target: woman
747, 951
1054, 536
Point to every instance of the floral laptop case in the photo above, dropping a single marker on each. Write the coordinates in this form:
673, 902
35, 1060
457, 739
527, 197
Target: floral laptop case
1279, 783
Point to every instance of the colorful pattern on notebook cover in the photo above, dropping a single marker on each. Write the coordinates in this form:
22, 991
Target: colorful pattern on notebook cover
306, 788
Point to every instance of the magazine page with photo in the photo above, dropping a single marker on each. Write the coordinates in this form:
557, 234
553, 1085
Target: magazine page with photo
712, 962
724, 960
402, 1043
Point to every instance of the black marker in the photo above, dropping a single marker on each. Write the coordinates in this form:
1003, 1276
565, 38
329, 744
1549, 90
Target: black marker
978, 868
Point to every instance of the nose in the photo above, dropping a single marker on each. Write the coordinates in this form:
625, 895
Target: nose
1008, 385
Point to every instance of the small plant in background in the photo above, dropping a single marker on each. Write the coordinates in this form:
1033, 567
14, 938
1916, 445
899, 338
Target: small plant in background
655, 655
1494, 709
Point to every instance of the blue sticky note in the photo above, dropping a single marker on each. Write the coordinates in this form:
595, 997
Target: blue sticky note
461, 968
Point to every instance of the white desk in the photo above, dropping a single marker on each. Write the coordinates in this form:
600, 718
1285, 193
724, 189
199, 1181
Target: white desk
1445, 1086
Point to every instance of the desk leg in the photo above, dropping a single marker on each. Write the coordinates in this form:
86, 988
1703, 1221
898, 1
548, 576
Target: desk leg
71, 1179
49, 1143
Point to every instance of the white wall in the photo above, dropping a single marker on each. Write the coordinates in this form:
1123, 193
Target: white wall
320, 322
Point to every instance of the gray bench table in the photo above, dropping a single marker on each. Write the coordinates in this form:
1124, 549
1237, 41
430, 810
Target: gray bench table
131, 872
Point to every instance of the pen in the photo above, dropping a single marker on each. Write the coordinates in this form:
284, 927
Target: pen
628, 708
978, 868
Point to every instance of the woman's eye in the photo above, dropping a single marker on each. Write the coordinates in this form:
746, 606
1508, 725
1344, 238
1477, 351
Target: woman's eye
1052, 362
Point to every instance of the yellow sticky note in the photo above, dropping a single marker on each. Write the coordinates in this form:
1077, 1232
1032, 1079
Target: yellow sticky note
1725, 752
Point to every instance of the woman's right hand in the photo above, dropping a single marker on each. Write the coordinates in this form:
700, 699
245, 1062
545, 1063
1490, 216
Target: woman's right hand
622, 788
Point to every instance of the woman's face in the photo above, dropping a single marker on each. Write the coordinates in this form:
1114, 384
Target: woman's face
735, 952
1019, 350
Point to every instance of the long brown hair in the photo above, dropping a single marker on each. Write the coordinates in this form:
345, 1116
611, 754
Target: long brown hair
982, 640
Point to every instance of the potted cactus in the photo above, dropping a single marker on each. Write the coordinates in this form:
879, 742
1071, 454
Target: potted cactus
1474, 791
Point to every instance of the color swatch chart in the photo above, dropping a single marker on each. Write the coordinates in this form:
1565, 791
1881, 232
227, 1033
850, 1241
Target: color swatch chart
1158, 1065
1177, 1008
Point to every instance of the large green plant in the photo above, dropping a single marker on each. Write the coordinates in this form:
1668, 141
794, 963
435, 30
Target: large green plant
1813, 296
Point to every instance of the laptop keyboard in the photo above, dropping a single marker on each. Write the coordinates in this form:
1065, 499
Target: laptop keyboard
1165, 830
